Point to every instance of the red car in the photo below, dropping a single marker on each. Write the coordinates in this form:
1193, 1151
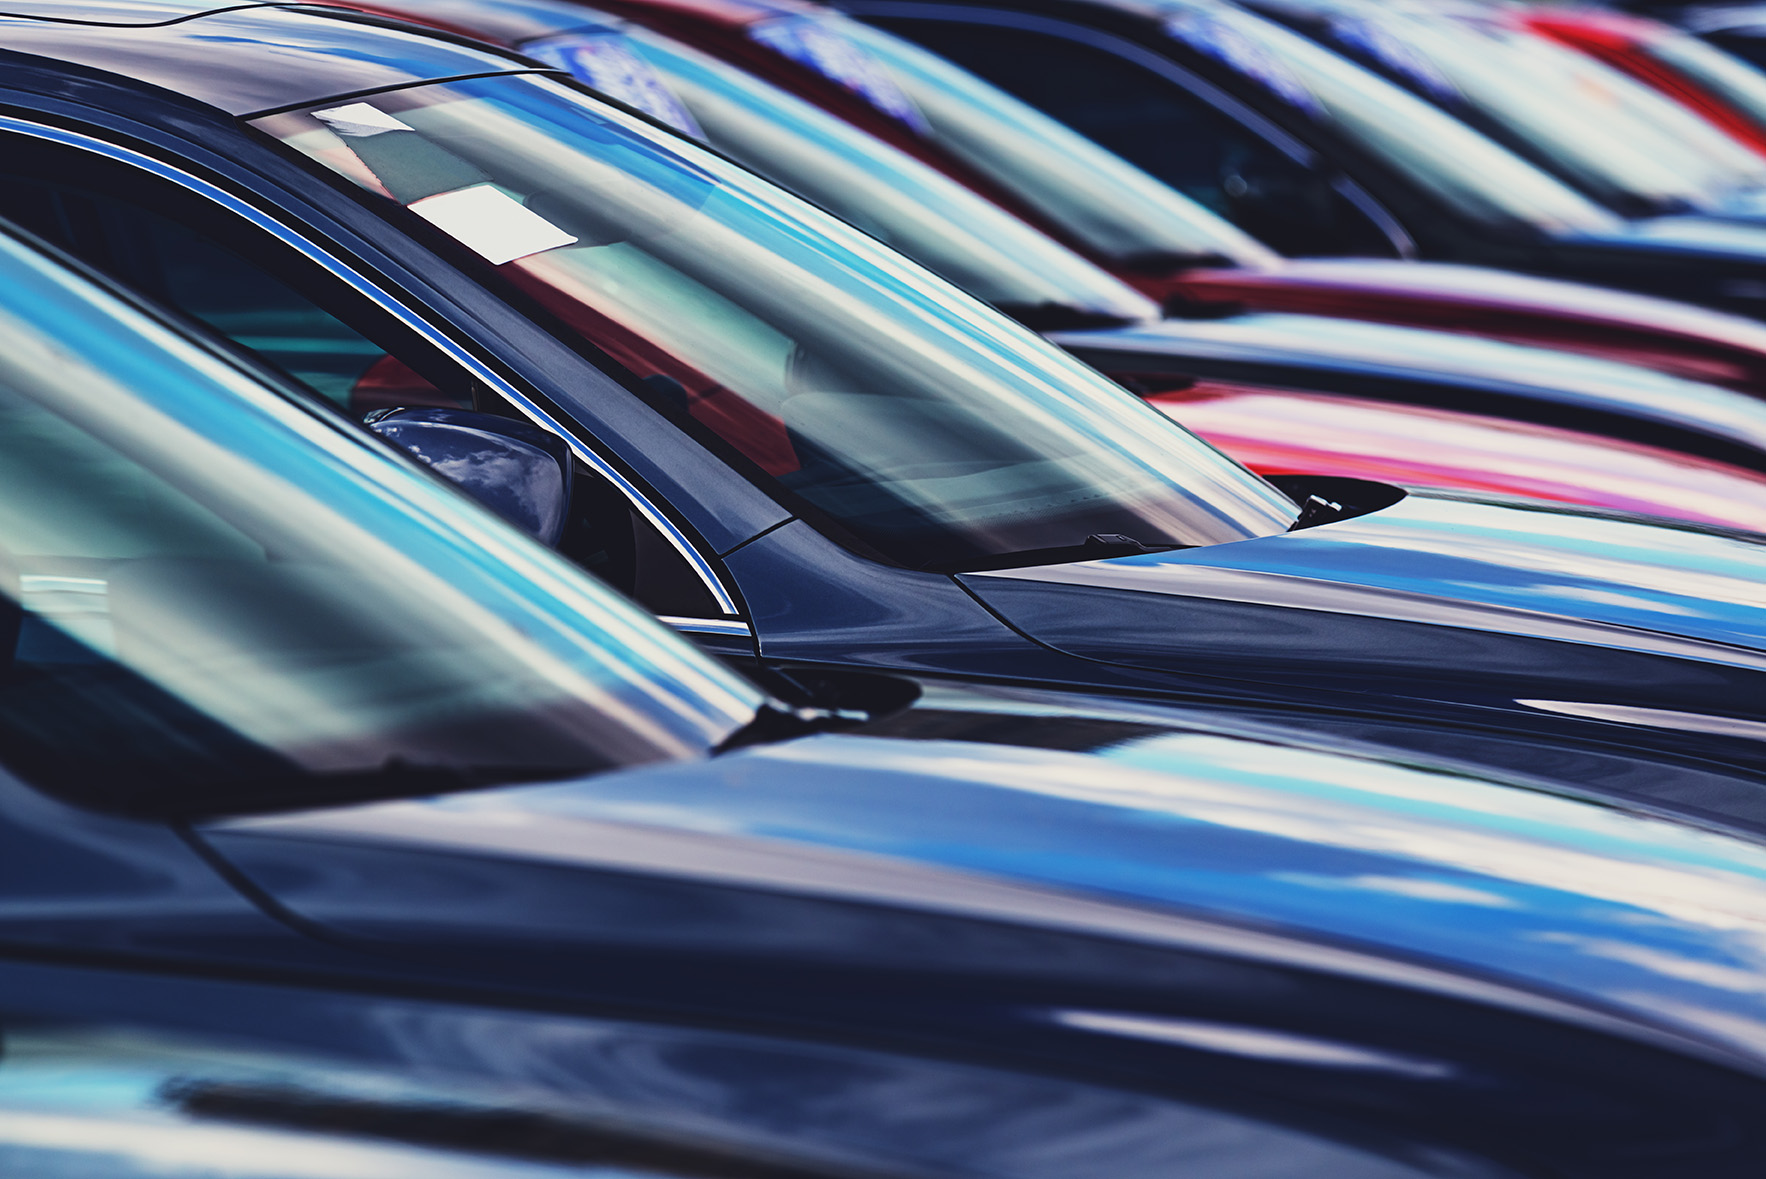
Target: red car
1724, 89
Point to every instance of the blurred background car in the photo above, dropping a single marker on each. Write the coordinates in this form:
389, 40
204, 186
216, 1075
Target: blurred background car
1252, 119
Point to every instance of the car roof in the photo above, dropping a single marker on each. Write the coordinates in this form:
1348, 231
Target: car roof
274, 57
502, 22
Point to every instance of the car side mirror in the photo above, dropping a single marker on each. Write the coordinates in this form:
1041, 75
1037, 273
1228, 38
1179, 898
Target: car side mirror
517, 470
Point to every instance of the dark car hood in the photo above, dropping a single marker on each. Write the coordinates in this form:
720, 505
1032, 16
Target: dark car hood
1560, 609
1419, 365
1691, 341
1687, 236
1177, 835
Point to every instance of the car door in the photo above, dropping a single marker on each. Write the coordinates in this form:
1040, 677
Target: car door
313, 322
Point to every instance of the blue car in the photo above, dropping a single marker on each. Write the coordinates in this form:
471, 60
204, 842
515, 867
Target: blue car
414, 835
815, 457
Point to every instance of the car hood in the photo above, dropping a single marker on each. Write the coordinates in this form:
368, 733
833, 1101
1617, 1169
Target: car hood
1175, 834
1689, 235
1675, 337
1515, 605
1278, 431
1417, 365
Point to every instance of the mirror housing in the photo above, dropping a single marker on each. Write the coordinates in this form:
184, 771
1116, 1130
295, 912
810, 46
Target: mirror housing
517, 470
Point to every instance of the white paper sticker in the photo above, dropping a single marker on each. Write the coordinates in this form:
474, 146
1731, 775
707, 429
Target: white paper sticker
359, 120
490, 222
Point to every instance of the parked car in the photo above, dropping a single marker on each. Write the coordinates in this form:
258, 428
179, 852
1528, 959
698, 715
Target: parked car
1620, 142
1319, 369
348, 832
1720, 86
996, 144
806, 450
1204, 95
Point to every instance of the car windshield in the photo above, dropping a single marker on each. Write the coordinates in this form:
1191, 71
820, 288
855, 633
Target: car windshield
1610, 136
868, 394
864, 182
1479, 178
1727, 76
1116, 210
216, 599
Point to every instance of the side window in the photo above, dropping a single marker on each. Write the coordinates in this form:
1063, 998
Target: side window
1167, 131
180, 250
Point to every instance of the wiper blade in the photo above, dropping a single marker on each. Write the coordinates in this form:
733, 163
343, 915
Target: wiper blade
1096, 547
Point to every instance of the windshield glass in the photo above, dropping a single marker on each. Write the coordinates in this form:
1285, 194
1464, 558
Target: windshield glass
1114, 208
211, 597
871, 395
866, 183
1725, 75
1478, 178
1612, 137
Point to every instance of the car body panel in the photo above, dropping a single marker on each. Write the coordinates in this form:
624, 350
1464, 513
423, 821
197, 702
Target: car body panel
1332, 597
252, 76
1416, 446
1441, 867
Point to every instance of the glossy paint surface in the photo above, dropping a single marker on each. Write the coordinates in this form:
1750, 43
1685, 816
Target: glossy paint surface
256, 72
1674, 337
1277, 432
1525, 605
1507, 884
1265, 347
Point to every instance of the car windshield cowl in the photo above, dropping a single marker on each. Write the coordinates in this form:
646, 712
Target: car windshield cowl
856, 387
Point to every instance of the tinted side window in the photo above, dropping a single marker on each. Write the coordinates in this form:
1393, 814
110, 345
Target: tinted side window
1167, 131
181, 251
336, 351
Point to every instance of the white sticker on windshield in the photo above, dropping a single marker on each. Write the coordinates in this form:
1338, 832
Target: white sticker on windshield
490, 222
359, 120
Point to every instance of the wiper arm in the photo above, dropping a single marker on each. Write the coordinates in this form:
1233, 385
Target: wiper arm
1096, 547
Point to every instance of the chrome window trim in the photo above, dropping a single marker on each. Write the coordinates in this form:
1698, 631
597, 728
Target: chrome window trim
398, 311
708, 626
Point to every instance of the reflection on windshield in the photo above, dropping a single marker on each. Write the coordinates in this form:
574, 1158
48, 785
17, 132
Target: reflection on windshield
883, 401
1613, 137
1113, 208
203, 605
1477, 177
884, 192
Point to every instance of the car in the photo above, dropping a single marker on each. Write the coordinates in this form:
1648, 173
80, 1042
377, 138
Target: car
1029, 157
1252, 143
331, 804
1321, 371
812, 454
1622, 143
1721, 87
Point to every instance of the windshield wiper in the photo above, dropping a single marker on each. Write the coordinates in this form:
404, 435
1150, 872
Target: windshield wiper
1096, 547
